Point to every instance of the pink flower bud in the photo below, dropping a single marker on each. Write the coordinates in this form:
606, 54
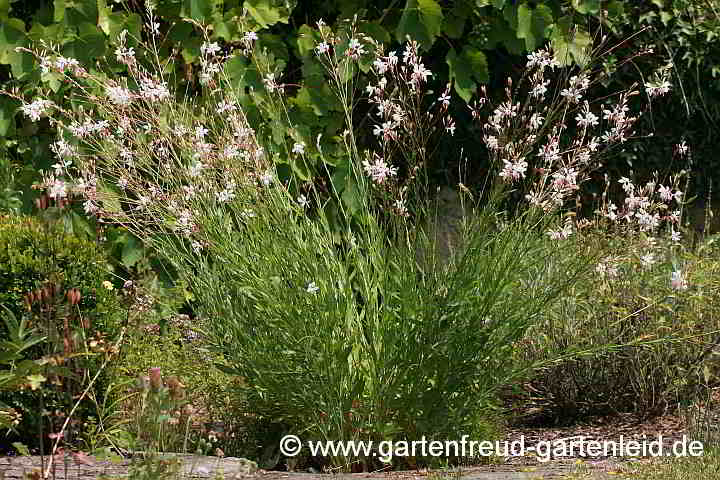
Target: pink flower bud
156, 382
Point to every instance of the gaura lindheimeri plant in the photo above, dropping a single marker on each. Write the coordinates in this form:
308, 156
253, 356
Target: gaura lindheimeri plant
337, 330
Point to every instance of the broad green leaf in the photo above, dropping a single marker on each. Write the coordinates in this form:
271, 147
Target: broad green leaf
59, 8
53, 79
223, 26
586, 6
524, 29
122, 21
276, 48
319, 98
466, 70
4, 8
307, 39
21, 63
81, 11
50, 33
300, 168
376, 31
89, 44
103, 16
200, 10
268, 12
132, 252
615, 9
454, 22
570, 44
421, 21
12, 35
8, 108
110, 199
532, 23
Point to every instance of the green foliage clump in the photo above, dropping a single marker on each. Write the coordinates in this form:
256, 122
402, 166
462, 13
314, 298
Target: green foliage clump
33, 253
660, 310
58, 285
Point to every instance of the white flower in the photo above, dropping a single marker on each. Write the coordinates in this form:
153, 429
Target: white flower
445, 99
266, 178
90, 207
200, 132
665, 193
542, 59
303, 201
355, 49
270, 82
513, 171
63, 149
658, 89
153, 90
420, 74
536, 121
225, 107
231, 151
250, 37
607, 268
561, 234
589, 119
312, 288
299, 148
380, 66
675, 236
386, 130
682, 148
540, 88
492, 142
125, 55
195, 169
647, 260
119, 95
58, 189
400, 208
677, 280
225, 195
378, 171
209, 49
322, 48
36, 109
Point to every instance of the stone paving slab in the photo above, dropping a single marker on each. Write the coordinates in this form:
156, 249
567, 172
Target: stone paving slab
195, 467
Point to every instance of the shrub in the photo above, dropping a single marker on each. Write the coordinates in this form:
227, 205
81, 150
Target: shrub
42, 268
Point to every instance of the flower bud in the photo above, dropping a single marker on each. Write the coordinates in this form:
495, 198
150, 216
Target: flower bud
156, 382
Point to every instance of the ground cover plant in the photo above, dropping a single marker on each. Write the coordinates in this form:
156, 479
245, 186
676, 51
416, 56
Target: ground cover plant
324, 291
